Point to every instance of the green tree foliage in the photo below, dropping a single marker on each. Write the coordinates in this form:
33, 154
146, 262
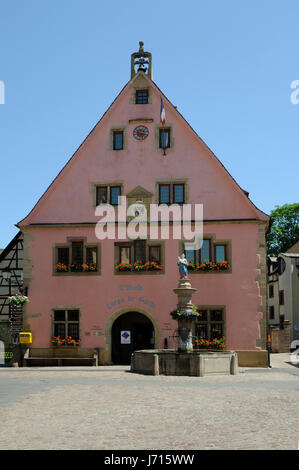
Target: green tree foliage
284, 231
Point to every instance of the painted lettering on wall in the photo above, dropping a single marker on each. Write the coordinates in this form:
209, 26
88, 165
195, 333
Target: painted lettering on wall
129, 287
130, 299
115, 303
147, 302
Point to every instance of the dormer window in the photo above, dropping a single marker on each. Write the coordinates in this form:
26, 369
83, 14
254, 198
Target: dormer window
141, 96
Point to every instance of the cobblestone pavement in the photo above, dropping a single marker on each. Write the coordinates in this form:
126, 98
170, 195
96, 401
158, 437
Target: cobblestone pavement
110, 408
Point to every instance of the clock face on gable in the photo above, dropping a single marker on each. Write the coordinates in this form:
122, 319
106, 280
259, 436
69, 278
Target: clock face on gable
140, 132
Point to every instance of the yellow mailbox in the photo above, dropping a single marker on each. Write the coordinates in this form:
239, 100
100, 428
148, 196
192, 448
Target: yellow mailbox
25, 337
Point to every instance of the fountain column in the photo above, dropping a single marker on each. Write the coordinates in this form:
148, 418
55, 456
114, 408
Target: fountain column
185, 316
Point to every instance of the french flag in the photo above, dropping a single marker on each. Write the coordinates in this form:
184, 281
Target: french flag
162, 114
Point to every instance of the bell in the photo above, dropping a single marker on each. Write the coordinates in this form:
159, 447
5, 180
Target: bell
141, 68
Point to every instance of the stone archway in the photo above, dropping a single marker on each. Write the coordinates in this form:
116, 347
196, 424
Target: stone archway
144, 332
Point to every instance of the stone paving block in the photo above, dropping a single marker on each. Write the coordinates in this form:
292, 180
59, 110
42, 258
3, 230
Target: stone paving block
110, 408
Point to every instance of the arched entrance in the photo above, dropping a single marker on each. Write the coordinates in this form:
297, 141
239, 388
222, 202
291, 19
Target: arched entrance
130, 332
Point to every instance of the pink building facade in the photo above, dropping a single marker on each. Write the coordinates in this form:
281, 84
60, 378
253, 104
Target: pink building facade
74, 281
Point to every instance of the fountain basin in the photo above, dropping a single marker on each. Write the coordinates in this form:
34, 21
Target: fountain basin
196, 363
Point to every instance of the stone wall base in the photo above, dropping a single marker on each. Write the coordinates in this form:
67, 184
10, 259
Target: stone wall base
258, 358
280, 338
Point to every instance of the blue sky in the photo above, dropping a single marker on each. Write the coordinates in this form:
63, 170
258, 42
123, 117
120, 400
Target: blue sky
227, 66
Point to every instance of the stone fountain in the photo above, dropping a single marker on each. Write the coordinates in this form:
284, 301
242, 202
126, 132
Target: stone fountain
184, 360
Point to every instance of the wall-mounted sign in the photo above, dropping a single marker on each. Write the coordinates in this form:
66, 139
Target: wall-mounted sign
125, 337
16, 319
25, 337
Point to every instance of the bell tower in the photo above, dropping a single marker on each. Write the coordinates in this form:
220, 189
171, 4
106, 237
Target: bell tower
141, 61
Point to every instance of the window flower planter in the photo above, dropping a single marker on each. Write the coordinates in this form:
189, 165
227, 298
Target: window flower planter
123, 267
18, 299
61, 268
192, 266
76, 268
209, 266
66, 342
215, 344
138, 266
223, 266
153, 266
89, 267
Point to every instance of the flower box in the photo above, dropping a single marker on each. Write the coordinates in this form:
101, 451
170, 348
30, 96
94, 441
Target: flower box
89, 267
192, 266
65, 342
223, 265
215, 344
153, 266
61, 268
208, 266
18, 299
76, 268
138, 266
123, 267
